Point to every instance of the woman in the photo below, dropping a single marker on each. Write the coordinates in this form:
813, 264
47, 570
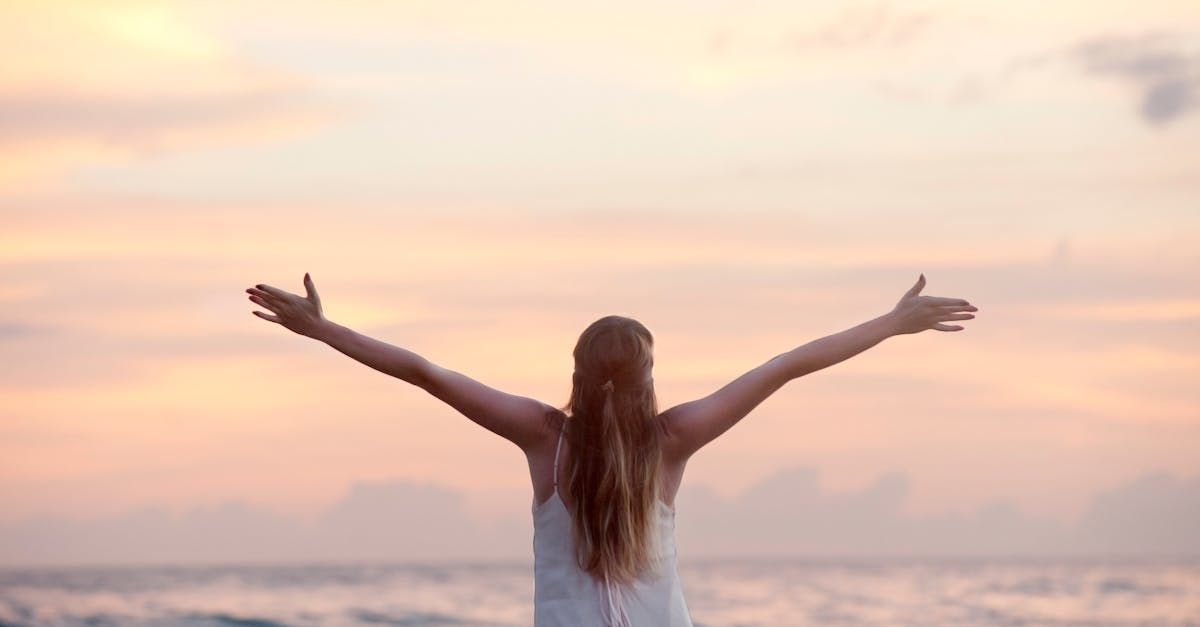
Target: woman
606, 467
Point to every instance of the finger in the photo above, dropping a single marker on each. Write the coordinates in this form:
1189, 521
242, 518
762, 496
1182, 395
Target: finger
965, 316
265, 303
945, 327
916, 288
274, 291
311, 290
266, 316
261, 294
942, 300
956, 308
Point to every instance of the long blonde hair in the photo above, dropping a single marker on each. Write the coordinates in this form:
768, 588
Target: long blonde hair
616, 451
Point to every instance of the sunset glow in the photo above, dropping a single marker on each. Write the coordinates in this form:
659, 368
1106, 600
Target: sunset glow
477, 183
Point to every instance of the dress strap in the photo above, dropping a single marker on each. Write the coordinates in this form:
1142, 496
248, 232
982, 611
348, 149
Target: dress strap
558, 448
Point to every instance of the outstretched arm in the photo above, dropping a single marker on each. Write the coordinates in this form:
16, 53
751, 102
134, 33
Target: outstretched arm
693, 424
517, 419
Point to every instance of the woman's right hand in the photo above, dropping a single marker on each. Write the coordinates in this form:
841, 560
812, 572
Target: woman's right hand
915, 313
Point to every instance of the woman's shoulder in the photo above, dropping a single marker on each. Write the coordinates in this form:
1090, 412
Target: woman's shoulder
553, 418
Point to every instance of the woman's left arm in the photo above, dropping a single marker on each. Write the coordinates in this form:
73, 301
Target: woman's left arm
517, 419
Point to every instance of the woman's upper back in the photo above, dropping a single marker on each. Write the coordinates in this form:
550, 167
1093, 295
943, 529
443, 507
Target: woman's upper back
549, 461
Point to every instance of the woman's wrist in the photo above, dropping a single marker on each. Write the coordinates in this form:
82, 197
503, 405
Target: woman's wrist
326, 331
891, 324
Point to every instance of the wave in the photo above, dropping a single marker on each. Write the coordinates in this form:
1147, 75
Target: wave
223, 618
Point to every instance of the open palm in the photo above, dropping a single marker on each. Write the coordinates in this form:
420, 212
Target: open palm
916, 313
302, 314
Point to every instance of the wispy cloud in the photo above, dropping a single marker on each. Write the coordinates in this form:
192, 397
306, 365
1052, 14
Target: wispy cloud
147, 123
1164, 69
18, 329
1160, 67
860, 26
98, 84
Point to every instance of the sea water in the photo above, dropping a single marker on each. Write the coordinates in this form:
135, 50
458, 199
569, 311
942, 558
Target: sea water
720, 592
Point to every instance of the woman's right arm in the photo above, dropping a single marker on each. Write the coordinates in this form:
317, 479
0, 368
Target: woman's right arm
518, 419
691, 425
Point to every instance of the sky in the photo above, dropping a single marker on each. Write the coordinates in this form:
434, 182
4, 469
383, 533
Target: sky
478, 182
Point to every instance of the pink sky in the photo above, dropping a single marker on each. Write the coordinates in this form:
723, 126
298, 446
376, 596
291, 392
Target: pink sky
477, 183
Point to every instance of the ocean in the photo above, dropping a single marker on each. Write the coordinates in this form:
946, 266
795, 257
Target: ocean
719, 592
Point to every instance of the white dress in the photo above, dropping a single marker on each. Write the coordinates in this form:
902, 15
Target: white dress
566, 596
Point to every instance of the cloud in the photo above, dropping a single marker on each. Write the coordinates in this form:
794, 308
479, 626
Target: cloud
53, 131
1163, 67
95, 84
1157, 513
18, 330
866, 26
375, 521
786, 514
403, 519
141, 121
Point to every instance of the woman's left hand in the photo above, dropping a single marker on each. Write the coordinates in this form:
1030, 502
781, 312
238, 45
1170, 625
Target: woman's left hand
301, 314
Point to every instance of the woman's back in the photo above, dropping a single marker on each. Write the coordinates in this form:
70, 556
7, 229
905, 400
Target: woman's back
566, 595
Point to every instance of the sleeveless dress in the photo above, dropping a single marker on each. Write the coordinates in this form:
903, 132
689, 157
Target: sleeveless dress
566, 596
